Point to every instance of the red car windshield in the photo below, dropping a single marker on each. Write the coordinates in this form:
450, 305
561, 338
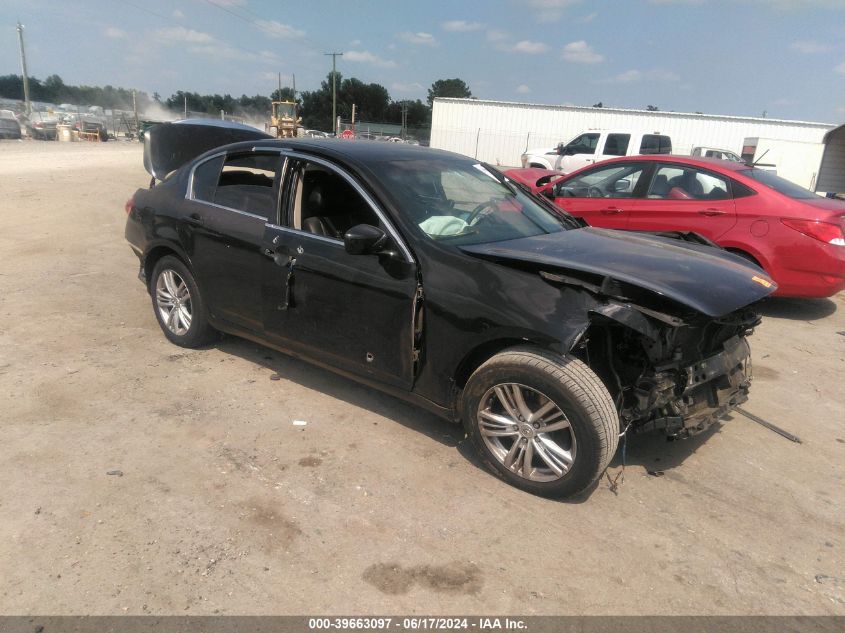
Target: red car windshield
781, 185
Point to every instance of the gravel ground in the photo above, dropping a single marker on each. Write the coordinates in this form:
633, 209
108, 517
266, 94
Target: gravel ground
145, 478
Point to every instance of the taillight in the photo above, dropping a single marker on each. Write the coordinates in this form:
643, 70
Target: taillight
130, 204
827, 232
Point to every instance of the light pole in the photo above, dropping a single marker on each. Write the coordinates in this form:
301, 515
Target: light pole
27, 106
334, 90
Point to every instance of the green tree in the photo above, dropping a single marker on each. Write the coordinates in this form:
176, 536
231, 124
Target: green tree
448, 88
285, 94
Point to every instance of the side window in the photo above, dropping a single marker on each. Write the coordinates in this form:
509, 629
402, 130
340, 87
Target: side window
205, 179
250, 183
617, 144
656, 144
584, 144
617, 181
673, 182
323, 202
740, 191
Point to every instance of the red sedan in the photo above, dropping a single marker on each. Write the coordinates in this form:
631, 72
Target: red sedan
797, 237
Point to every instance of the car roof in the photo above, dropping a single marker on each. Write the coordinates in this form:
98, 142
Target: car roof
355, 150
705, 163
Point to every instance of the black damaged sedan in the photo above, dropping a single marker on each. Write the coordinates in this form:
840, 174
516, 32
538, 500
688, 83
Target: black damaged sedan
432, 277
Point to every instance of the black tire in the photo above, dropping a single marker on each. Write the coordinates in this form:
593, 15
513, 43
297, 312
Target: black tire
198, 331
579, 395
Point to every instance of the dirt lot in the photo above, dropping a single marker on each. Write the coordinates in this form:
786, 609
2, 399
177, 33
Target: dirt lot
225, 506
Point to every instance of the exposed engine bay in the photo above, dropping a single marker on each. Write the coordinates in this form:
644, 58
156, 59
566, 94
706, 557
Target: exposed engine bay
673, 375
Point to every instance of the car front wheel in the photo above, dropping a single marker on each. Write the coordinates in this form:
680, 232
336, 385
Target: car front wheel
545, 423
178, 305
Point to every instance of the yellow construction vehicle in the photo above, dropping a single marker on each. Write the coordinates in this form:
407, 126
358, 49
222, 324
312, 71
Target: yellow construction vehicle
283, 120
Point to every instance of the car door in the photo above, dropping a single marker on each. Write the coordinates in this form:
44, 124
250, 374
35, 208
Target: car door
230, 198
683, 197
604, 196
579, 152
354, 312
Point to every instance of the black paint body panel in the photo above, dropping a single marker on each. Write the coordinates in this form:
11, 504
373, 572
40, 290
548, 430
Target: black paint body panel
477, 301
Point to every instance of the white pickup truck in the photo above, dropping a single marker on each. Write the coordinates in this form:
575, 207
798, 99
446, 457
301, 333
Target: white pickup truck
594, 146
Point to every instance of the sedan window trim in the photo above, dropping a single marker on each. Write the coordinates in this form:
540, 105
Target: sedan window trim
189, 192
391, 230
297, 232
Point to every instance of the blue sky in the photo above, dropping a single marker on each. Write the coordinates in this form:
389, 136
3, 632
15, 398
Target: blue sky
741, 57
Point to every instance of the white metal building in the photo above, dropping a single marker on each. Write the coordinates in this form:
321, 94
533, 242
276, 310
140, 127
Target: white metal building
832, 169
498, 132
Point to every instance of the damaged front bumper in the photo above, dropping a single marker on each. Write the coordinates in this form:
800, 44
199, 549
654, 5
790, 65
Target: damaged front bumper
713, 387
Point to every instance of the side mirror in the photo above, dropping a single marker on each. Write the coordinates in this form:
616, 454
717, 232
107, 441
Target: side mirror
560, 148
621, 186
363, 239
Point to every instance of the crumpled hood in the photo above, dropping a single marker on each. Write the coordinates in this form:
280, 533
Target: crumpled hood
704, 278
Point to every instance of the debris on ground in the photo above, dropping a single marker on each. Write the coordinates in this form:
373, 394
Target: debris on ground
118, 473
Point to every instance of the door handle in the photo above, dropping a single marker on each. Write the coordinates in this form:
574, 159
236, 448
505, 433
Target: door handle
195, 219
612, 211
712, 212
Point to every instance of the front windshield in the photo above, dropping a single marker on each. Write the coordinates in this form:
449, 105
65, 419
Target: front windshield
460, 202
781, 185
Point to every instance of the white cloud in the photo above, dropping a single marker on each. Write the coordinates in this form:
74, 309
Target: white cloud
581, 53
181, 34
426, 39
355, 43
523, 89
808, 47
840, 68
218, 50
550, 10
497, 36
277, 29
636, 76
527, 46
461, 26
114, 33
411, 87
178, 14
366, 57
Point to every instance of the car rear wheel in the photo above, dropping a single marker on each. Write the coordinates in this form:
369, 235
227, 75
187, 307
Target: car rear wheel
178, 304
543, 422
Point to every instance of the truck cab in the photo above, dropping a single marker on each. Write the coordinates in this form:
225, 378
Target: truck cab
597, 145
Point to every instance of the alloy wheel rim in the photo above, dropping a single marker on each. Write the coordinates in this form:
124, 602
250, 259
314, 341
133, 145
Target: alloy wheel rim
526, 432
173, 300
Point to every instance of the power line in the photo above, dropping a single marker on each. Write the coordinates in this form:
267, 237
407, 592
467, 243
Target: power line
170, 21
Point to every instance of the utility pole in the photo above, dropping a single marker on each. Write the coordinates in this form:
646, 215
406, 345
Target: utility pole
27, 106
135, 110
334, 89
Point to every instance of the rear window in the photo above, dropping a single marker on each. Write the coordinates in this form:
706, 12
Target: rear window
617, 144
656, 144
781, 185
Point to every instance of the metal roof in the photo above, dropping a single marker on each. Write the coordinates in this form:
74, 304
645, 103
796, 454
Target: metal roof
659, 113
